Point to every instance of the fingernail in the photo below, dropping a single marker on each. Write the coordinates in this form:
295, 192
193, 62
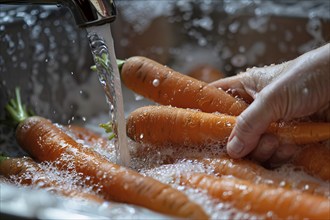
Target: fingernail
235, 146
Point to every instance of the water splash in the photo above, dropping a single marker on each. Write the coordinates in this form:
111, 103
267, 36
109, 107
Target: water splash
101, 44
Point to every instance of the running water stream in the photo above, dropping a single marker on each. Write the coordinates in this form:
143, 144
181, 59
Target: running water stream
102, 46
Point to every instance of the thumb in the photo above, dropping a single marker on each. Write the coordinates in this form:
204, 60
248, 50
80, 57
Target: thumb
250, 125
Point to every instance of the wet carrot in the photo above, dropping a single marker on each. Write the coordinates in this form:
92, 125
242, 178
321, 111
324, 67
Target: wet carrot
27, 172
161, 125
260, 198
44, 141
251, 171
315, 160
168, 87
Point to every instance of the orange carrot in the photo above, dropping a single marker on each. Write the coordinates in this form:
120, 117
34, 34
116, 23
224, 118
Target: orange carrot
262, 199
315, 160
168, 87
46, 142
160, 125
251, 171
27, 172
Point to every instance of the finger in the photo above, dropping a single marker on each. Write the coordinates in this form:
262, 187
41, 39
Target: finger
234, 86
249, 126
228, 82
283, 154
266, 147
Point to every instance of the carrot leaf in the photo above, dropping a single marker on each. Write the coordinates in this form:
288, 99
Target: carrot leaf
102, 61
108, 127
93, 68
16, 112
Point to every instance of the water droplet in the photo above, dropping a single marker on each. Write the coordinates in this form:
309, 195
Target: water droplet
138, 97
306, 187
155, 82
228, 124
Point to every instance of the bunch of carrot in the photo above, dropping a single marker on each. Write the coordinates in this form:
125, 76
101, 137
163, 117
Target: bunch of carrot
194, 113
179, 125
45, 141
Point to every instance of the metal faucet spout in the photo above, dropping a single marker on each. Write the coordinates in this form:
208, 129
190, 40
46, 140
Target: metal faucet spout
86, 12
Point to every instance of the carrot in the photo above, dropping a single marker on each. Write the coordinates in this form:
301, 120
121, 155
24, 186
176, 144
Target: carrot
260, 198
28, 172
161, 125
46, 142
248, 170
168, 87
315, 160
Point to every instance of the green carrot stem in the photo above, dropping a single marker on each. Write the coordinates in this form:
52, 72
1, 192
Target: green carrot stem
93, 68
2, 158
120, 64
16, 111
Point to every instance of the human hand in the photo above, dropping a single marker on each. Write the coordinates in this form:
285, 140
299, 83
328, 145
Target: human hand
291, 90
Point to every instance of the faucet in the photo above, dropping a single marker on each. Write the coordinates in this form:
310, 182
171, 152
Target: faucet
85, 12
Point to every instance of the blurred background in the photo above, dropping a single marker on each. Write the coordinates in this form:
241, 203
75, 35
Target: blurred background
44, 53
48, 56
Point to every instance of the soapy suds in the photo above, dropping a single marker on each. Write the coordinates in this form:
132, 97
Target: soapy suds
168, 163
165, 164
